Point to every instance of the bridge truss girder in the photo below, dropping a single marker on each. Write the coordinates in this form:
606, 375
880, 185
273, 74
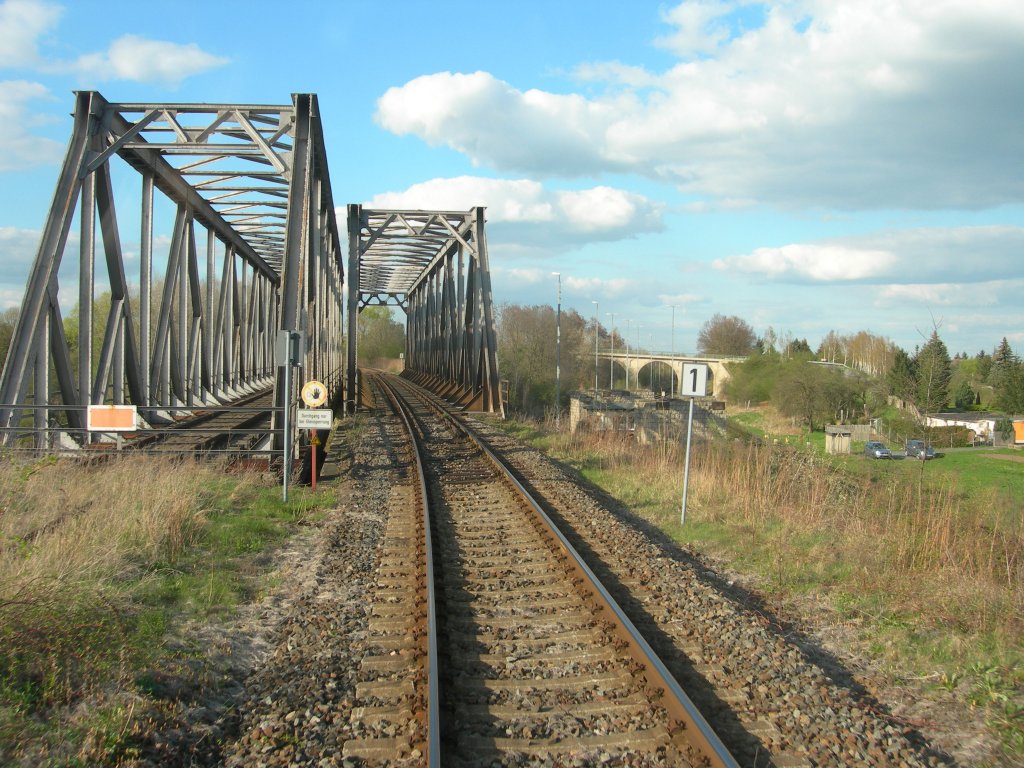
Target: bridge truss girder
435, 266
254, 179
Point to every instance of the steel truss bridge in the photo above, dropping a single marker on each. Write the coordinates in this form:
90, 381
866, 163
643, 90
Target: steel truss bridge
200, 246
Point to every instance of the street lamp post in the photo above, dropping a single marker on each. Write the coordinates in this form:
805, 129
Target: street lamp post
673, 350
611, 364
558, 352
638, 326
626, 339
596, 308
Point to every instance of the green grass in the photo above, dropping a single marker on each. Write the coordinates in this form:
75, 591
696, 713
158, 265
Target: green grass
978, 469
221, 570
751, 421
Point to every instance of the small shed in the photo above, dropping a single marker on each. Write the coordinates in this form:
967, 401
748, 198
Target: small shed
838, 439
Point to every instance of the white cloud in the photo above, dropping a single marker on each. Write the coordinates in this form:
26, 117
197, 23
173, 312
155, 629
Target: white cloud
698, 27
615, 72
598, 286
944, 294
493, 123
820, 263
518, 277
136, 58
911, 257
22, 23
19, 149
680, 300
854, 106
602, 208
506, 199
523, 212
991, 293
514, 279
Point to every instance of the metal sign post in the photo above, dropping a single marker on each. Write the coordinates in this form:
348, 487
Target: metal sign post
286, 444
313, 419
694, 384
289, 352
686, 462
314, 441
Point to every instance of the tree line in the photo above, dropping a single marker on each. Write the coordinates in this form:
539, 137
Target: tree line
862, 374
846, 376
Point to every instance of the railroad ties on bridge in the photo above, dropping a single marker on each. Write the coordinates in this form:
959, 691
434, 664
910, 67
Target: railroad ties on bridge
197, 329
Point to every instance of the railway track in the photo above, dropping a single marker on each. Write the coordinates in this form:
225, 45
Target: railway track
235, 429
527, 657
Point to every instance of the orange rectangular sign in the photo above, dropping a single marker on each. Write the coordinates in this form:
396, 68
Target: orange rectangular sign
111, 418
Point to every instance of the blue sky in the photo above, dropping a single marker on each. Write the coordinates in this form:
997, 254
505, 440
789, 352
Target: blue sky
808, 165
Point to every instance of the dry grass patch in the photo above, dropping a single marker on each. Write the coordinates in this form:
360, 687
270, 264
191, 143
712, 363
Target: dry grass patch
65, 523
75, 541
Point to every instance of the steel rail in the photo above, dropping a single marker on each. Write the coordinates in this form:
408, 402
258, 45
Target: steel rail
675, 700
207, 426
404, 412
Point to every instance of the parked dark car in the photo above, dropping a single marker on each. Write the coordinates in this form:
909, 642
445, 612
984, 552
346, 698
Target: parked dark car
876, 450
916, 449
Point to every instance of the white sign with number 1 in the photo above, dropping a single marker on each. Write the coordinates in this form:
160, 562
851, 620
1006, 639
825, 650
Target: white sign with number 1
695, 380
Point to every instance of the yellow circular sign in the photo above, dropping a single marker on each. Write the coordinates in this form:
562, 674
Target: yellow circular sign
314, 394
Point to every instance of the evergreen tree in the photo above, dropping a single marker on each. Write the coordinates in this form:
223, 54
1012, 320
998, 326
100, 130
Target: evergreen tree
1010, 395
1003, 362
934, 372
1007, 378
1003, 353
799, 348
902, 376
965, 396
984, 365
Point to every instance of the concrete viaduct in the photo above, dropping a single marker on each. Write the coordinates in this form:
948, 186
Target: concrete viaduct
633, 364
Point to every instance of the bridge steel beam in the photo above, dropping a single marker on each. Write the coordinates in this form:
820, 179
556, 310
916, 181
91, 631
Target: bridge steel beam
241, 243
435, 266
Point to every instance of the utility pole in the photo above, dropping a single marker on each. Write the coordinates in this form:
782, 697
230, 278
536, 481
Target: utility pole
611, 364
596, 308
626, 339
558, 352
